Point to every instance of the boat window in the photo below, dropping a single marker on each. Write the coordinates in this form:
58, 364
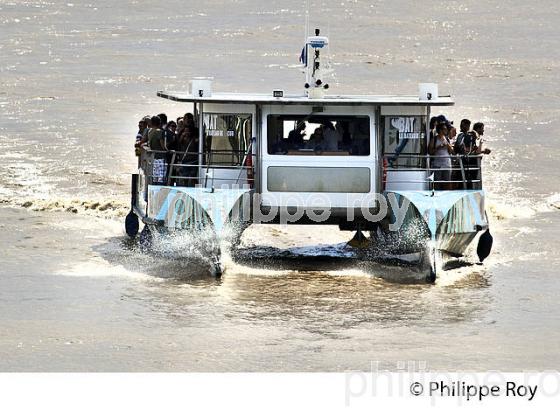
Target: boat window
227, 138
404, 140
318, 135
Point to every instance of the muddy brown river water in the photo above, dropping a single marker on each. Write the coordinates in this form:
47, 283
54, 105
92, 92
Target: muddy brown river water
76, 295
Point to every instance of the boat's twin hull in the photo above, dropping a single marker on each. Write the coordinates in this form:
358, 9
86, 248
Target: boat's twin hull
450, 219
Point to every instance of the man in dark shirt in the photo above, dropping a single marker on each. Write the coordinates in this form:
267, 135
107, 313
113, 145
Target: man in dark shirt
188, 145
155, 136
459, 147
473, 146
163, 120
169, 134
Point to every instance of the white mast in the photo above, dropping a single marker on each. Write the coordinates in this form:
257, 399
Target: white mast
311, 58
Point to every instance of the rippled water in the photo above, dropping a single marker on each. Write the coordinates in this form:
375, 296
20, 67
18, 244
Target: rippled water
75, 294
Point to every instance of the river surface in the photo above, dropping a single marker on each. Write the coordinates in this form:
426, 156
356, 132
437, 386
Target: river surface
77, 295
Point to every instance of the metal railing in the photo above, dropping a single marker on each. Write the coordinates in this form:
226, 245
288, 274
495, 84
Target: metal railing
180, 168
464, 172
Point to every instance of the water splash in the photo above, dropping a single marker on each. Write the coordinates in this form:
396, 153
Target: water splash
410, 238
198, 248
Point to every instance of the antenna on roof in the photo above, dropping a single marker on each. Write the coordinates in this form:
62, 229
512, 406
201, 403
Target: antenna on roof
305, 33
314, 85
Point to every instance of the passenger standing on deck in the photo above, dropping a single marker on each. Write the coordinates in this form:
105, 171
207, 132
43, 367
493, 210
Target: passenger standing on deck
452, 134
452, 137
478, 129
170, 139
473, 147
431, 137
433, 123
188, 121
170, 135
163, 120
142, 126
441, 150
156, 142
188, 146
180, 125
441, 119
148, 120
459, 149
459, 146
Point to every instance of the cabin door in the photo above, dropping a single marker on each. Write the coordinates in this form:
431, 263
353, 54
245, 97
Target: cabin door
229, 135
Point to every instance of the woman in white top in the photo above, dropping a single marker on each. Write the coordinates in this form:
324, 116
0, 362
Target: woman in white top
441, 150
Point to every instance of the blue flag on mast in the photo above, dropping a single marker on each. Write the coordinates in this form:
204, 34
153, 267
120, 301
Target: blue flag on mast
303, 55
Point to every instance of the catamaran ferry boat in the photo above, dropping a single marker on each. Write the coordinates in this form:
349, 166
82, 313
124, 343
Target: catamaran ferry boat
360, 162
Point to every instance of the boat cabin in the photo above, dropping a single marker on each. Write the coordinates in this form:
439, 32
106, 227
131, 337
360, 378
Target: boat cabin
284, 145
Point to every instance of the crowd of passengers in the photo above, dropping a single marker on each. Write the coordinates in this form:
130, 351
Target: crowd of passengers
182, 136
166, 137
445, 144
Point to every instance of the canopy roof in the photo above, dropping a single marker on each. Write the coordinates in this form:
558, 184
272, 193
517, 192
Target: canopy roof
240, 98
